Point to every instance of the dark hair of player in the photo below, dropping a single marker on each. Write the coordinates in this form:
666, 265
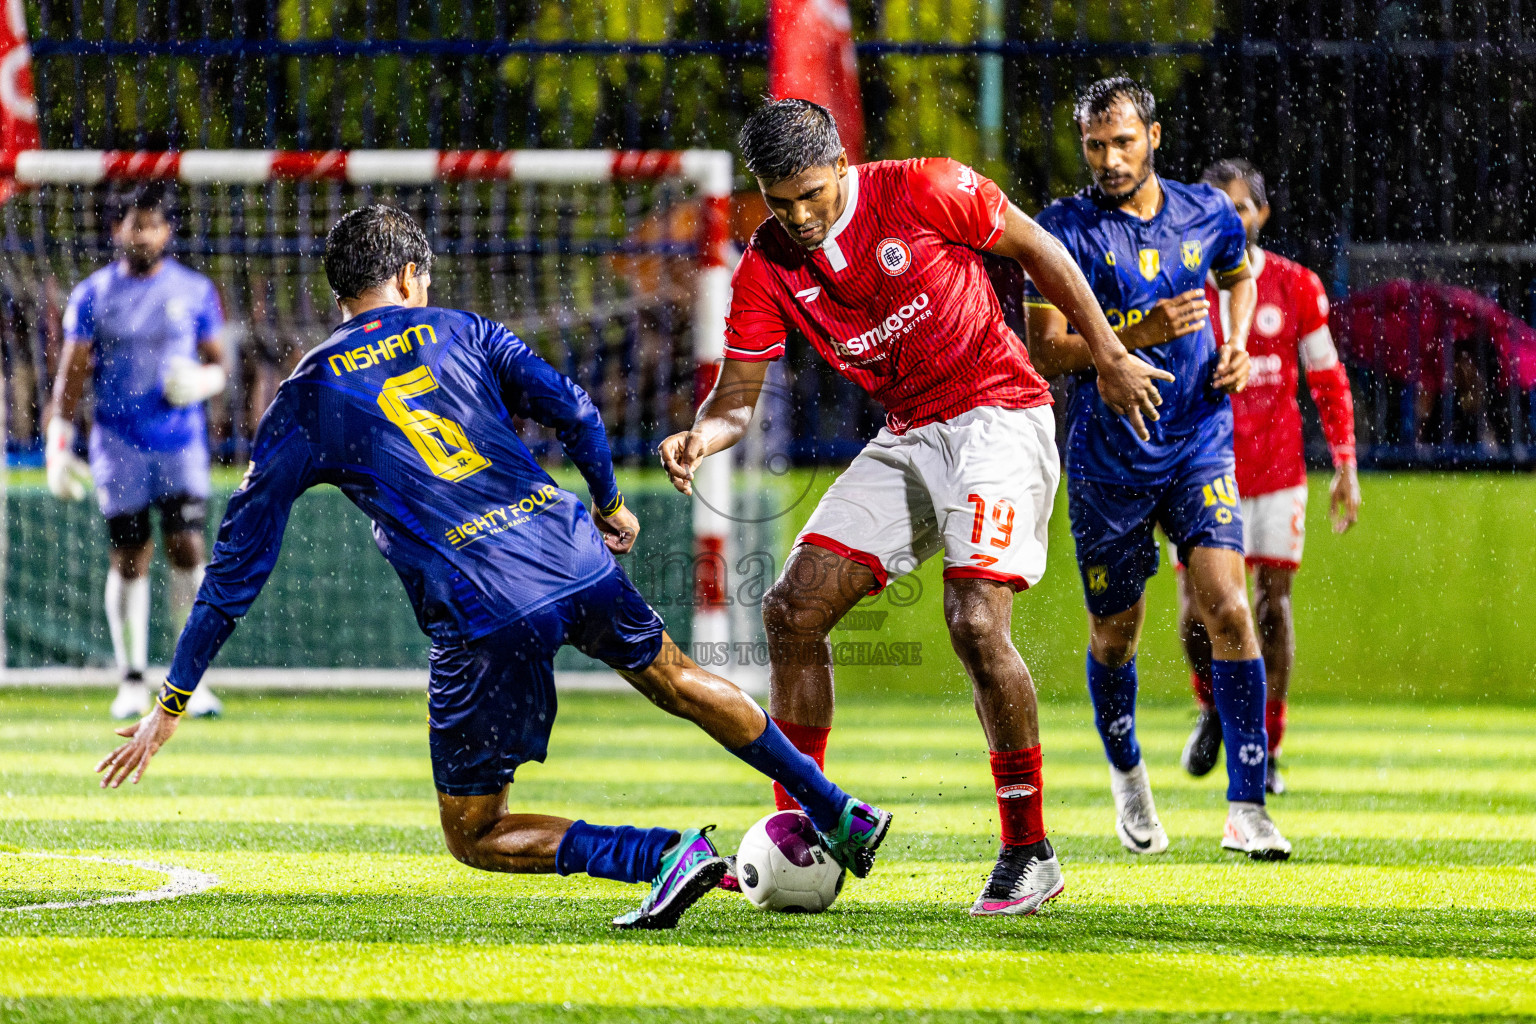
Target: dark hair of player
371, 245
150, 197
1224, 172
1097, 98
783, 137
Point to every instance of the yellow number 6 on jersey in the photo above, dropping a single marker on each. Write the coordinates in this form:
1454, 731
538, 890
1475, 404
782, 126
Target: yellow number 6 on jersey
439, 441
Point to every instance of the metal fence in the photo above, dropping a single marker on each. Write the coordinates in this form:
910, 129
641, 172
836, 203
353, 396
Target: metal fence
1397, 136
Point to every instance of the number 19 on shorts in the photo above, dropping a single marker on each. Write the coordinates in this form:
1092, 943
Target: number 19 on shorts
1000, 530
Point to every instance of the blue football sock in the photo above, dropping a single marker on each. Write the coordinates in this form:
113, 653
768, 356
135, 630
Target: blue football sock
1113, 691
1238, 687
776, 757
620, 852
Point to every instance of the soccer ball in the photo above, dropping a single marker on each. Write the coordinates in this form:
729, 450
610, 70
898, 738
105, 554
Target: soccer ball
783, 866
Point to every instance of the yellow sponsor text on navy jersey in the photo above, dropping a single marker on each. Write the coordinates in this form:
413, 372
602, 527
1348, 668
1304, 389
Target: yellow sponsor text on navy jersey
503, 517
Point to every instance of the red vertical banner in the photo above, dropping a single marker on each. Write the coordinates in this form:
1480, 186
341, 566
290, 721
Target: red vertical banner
811, 57
18, 109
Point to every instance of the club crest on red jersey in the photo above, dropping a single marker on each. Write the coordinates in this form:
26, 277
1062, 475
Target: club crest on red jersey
894, 256
1269, 320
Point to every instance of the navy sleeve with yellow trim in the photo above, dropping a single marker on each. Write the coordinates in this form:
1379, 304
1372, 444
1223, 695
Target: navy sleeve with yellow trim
1229, 249
1055, 221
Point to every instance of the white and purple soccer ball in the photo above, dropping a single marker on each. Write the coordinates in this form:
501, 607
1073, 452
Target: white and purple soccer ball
783, 866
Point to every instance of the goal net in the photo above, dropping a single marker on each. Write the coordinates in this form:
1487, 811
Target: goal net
610, 264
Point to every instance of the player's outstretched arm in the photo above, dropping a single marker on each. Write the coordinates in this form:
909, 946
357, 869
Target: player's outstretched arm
1127, 384
721, 421
250, 538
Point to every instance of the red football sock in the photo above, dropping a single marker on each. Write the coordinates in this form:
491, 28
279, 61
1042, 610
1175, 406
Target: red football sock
1020, 803
811, 741
1274, 724
1201, 684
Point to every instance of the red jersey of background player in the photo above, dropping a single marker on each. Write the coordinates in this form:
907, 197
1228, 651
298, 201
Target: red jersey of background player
896, 298
1290, 326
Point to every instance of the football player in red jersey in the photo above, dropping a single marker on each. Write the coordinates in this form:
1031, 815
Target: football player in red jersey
1289, 330
880, 267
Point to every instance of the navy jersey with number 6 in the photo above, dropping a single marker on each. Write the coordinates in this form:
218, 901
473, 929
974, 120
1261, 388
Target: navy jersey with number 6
409, 412
1130, 264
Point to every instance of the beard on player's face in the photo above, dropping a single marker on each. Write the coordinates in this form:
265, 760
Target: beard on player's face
143, 240
1122, 180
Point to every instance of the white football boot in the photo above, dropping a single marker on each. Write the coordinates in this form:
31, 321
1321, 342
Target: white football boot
204, 704
1249, 830
1023, 880
132, 700
1135, 814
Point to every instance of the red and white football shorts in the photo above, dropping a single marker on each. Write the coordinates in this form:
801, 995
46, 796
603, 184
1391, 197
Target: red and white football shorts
1274, 527
981, 486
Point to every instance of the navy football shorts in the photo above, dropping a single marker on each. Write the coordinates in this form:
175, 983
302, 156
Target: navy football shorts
492, 700
1112, 525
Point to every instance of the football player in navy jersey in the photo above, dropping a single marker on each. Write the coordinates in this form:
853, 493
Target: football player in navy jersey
1146, 245
408, 410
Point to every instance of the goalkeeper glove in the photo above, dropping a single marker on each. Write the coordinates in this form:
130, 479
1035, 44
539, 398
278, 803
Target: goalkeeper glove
69, 476
187, 382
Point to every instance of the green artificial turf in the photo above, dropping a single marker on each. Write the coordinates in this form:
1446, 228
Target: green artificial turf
1410, 896
1430, 598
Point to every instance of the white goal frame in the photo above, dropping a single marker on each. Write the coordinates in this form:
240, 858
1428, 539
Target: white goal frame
710, 172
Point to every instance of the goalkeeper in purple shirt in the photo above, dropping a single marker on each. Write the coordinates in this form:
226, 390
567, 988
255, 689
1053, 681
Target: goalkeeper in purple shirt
409, 410
145, 330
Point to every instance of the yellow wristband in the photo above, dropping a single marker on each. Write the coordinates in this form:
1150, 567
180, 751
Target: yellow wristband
614, 509
173, 701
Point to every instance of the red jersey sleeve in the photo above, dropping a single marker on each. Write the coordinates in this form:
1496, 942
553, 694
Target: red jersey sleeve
958, 203
1311, 303
754, 328
1326, 378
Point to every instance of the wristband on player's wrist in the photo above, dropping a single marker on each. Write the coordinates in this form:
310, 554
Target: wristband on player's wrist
613, 509
173, 701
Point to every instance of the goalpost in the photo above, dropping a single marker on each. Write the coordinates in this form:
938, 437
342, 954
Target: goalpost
612, 264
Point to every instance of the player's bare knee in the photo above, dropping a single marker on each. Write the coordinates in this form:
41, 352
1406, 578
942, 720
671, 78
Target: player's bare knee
975, 630
464, 846
791, 615
184, 550
1112, 649
1228, 619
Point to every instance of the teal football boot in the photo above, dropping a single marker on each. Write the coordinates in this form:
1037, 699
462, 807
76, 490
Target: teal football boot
860, 830
688, 871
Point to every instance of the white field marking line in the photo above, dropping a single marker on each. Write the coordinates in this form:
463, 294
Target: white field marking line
178, 882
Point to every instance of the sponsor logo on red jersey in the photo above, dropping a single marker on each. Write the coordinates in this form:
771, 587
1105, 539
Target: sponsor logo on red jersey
898, 323
894, 256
